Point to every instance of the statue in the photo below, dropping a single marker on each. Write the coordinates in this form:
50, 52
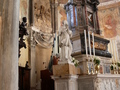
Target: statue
22, 33
64, 42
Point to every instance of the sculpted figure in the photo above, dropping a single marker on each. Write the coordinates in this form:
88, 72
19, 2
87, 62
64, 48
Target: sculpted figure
65, 43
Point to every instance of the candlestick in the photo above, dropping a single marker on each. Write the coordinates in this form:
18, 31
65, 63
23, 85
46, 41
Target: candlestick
85, 43
89, 44
93, 44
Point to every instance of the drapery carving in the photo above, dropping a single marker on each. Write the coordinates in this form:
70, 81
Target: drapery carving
43, 39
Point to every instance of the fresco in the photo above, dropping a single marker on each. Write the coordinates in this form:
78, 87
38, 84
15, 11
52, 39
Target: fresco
109, 20
42, 15
62, 13
23, 9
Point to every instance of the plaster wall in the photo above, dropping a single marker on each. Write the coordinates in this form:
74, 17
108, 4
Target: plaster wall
42, 59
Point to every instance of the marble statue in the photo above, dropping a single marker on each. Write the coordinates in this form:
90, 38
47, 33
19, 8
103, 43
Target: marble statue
64, 42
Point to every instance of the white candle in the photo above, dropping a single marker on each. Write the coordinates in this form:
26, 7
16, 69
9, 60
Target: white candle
85, 43
117, 56
113, 51
93, 44
89, 43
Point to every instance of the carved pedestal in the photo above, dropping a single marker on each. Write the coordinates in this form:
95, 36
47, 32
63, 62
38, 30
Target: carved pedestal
65, 69
65, 76
67, 82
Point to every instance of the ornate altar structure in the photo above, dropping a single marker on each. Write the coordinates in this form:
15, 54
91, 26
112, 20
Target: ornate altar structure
82, 15
83, 21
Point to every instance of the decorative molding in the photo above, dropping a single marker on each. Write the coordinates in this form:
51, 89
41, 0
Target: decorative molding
43, 39
110, 4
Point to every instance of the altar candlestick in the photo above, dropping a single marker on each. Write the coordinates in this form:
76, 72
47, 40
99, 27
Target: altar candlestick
93, 44
89, 43
85, 43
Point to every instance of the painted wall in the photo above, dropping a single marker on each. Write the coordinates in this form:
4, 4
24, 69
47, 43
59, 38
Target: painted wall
42, 15
61, 12
109, 20
42, 61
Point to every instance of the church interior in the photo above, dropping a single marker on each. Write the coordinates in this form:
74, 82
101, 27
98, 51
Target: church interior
59, 44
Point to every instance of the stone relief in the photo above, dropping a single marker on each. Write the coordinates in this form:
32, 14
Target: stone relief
43, 39
42, 15
107, 84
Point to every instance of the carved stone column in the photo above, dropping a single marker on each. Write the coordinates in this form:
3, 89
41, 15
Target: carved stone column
9, 45
32, 56
54, 15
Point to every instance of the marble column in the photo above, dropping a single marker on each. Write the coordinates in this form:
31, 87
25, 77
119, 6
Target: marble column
32, 57
9, 45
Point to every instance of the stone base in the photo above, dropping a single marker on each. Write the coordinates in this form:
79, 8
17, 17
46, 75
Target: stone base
68, 82
65, 69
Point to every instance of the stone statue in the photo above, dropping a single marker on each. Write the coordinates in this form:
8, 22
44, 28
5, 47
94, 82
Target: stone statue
64, 42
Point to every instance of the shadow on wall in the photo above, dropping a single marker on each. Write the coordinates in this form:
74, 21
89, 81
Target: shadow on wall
42, 59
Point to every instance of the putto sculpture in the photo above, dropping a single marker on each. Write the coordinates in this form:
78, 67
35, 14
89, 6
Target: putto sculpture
64, 42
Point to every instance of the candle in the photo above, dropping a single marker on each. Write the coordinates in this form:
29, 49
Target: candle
93, 44
89, 43
117, 51
85, 43
113, 51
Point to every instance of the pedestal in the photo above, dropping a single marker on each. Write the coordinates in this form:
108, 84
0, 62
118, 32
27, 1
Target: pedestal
65, 69
65, 76
67, 82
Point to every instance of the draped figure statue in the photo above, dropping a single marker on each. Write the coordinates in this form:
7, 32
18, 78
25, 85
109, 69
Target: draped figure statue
64, 42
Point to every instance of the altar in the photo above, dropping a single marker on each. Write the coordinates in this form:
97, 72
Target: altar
99, 82
97, 69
